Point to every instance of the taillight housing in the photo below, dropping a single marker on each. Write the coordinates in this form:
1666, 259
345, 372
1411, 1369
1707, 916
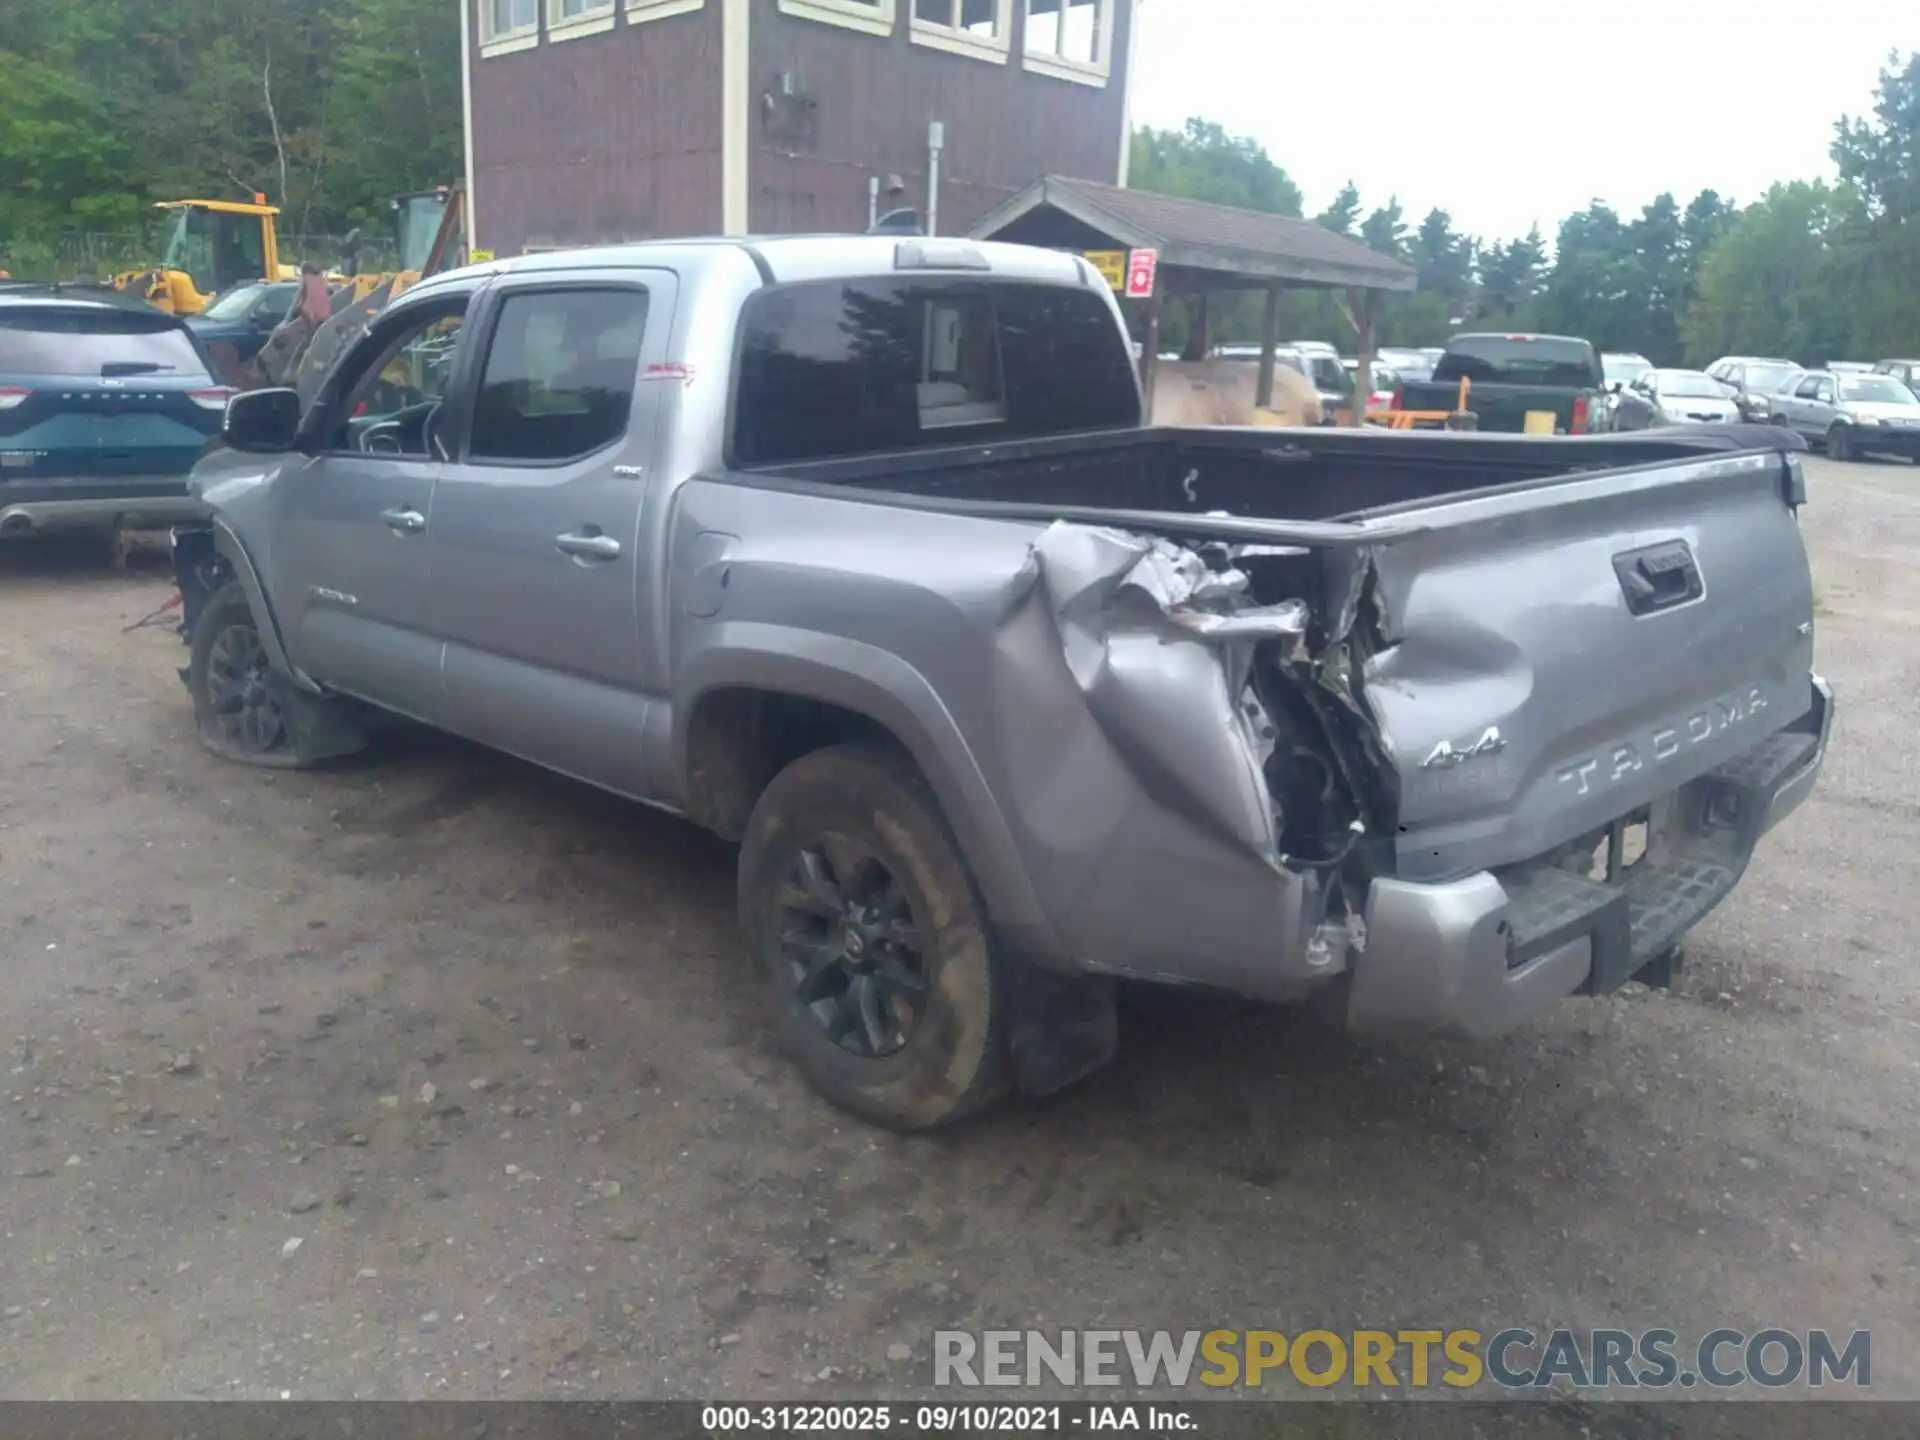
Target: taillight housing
213, 398
12, 395
1580, 407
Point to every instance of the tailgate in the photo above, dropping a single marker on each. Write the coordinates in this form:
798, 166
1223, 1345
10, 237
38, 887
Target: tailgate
1560, 654
1504, 408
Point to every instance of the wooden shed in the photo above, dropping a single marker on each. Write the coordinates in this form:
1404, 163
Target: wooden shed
603, 120
1199, 248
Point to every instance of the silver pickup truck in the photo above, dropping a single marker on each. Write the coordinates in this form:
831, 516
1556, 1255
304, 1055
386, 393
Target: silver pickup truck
857, 551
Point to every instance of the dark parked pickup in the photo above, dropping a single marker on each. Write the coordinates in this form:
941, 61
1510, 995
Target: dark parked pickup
1512, 376
104, 406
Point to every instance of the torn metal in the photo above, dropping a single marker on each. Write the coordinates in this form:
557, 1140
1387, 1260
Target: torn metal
1147, 628
1165, 724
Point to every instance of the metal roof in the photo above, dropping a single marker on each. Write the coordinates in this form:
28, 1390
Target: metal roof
1196, 235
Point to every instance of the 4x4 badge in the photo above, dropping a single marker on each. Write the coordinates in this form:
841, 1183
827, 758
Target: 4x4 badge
1445, 756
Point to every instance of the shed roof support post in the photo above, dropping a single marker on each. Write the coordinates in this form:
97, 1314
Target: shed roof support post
1199, 326
1364, 305
1150, 347
1269, 342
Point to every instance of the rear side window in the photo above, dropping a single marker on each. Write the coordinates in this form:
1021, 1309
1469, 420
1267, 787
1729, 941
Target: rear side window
559, 377
95, 343
842, 368
1519, 360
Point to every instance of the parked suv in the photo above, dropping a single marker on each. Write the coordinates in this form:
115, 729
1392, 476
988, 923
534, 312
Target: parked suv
105, 404
1853, 415
1907, 372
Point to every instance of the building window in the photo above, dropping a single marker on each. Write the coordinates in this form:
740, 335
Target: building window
1071, 39
982, 28
570, 19
639, 10
876, 17
508, 25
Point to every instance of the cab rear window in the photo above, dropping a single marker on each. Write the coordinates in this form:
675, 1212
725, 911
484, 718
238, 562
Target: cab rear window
831, 369
1520, 360
98, 344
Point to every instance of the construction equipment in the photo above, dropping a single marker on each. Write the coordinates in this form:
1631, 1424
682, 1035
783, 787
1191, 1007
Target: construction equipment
211, 246
430, 231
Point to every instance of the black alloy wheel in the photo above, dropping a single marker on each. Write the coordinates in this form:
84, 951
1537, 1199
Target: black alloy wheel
855, 952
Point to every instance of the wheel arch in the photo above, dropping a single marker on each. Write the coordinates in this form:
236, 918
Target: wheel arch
226, 540
747, 709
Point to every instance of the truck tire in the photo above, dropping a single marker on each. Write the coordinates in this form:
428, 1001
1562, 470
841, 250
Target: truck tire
245, 710
869, 941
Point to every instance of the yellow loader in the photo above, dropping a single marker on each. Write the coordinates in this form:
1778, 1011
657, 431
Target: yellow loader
211, 246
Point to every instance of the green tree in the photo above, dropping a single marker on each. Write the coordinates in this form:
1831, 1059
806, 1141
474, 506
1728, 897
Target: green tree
1201, 161
1385, 230
1767, 287
1511, 275
1877, 245
1594, 286
1344, 213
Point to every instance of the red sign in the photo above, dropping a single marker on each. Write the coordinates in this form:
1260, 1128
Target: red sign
1142, 266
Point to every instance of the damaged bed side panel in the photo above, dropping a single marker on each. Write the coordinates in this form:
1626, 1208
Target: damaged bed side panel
1109, 688
1137, 751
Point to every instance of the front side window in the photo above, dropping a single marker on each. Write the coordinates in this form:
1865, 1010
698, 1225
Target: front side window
559, 377
833, 369
391, 403
1071, 38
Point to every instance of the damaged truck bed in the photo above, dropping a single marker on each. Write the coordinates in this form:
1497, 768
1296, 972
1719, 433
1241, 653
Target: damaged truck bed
1006, 695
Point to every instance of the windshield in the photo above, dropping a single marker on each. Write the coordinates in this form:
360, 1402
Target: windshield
1624, 367
1519, 360
418, 219
235, 304
1690, 384
1764, 378
1875, 389
190, 247
216, 248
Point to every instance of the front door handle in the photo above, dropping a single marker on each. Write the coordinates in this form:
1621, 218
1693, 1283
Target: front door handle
403, 521
588, 547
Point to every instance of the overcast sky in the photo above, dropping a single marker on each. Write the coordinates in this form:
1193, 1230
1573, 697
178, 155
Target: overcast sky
1507, 112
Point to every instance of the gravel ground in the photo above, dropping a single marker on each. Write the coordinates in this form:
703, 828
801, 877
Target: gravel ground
437, 1076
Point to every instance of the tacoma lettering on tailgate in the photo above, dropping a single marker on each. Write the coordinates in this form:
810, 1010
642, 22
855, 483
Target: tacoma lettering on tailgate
1631, 756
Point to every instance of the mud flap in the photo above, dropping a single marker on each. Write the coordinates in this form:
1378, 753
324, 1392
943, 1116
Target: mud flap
1060, 1029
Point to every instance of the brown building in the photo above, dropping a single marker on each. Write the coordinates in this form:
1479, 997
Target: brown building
601, 120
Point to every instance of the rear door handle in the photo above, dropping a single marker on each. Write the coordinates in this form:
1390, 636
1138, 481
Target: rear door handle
588, 547
403, 521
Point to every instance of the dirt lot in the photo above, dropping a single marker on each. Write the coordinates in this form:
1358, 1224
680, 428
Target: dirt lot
437, 1076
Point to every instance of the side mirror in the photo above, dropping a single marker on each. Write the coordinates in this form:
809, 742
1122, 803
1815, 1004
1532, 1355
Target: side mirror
1616, 386
262, 422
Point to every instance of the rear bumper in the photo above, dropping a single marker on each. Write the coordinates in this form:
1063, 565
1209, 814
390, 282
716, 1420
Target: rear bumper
70, 507
1481, 955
